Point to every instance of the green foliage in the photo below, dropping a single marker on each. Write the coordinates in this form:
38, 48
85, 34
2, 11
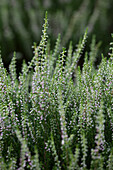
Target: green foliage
50, 120
21, 20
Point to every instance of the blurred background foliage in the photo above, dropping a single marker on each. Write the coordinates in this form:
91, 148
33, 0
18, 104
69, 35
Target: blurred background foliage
21, 24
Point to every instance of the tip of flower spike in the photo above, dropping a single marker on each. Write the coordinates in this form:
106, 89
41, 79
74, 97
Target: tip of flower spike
14, 54
46, 15
86, 30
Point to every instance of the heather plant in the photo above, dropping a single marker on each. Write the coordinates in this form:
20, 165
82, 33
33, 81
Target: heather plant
56, 115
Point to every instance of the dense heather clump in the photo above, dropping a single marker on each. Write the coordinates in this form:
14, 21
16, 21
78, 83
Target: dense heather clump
55, 116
